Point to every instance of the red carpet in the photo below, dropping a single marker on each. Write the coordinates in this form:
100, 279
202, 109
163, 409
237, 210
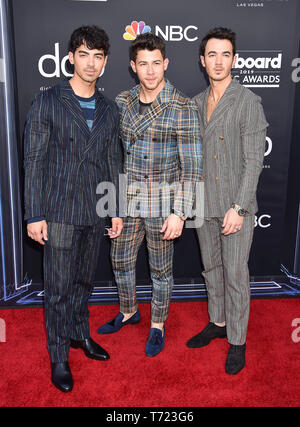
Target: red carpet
179, 376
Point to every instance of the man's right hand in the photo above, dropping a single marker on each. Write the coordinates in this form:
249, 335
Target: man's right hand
38, 231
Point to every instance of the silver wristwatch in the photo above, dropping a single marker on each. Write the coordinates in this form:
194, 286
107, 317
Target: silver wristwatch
240, 211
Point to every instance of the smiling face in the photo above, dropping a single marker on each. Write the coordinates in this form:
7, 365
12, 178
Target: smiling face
218, 59
150, 67
88, 63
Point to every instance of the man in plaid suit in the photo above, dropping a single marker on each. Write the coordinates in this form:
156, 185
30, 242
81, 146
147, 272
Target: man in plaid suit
163, 162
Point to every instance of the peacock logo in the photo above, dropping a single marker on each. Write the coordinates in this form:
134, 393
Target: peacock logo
134, 29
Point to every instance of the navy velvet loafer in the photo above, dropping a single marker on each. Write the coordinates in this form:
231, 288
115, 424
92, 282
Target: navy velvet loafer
116, 324
155, 342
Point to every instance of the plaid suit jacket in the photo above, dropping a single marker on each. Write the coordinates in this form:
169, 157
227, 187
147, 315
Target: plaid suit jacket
162, 153
65, 161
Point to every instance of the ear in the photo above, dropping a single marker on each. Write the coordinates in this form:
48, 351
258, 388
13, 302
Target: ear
71, 58
132, 64
202, 60
234, 61
166, 63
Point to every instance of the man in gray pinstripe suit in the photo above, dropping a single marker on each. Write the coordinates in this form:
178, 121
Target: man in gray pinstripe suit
233, 131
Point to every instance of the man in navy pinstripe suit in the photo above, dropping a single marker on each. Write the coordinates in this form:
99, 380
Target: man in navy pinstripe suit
71, 145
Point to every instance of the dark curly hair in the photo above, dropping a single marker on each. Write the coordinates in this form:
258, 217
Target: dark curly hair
147, 41
92, 36
218, 33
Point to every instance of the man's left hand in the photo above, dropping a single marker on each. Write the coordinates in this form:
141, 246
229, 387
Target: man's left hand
172, 227
232, 222
116, 228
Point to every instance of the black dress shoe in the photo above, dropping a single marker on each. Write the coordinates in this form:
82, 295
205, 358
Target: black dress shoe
61, 376
204, 337
91, 349
235, 359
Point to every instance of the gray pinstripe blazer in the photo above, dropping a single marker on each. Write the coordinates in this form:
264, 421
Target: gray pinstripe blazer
233, 149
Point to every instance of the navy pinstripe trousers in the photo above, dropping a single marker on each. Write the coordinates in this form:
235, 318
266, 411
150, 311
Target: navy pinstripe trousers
70, 261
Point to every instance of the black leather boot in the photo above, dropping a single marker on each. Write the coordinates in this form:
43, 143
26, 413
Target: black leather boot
61, 376
91, 349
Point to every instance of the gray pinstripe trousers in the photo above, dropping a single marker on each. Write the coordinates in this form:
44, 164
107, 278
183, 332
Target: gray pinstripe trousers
70, 261
124, 250
226, 274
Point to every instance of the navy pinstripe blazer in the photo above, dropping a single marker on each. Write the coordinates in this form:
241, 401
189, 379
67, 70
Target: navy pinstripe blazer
65, 161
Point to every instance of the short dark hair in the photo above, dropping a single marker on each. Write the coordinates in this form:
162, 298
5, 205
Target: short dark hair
147, 41
92, 36
218, 33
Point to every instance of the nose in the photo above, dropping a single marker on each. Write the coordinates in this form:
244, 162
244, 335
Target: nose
219, 59
150, 69
91, 61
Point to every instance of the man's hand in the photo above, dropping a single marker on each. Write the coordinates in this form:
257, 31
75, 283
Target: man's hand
172, 227
116, 228
232, 222
38, 231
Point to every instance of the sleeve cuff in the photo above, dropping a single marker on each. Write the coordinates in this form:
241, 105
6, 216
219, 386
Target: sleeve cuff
35, 219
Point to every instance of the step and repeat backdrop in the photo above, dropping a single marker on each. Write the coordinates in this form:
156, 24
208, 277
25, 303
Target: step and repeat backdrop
267, 44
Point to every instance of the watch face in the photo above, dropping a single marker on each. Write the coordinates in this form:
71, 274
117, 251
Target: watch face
242, 212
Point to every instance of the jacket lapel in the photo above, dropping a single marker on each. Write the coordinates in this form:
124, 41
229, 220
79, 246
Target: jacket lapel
221, 108
141, 122
132, 113
69, 100
100, 112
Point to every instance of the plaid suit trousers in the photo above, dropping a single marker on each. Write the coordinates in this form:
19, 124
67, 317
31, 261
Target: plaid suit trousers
70, 261
124, 250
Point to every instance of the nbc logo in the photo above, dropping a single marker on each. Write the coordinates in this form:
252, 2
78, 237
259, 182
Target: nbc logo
134, 29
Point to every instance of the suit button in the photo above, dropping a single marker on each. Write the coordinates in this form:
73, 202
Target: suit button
71, 139
128, 152
221, 138
145, 157
146, 176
